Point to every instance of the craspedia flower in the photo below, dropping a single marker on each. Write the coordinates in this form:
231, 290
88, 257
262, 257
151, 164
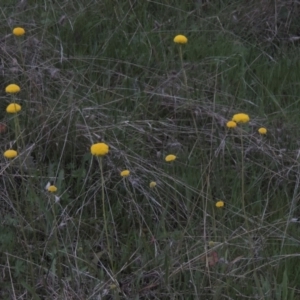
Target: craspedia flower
241, 118
12, 89
10, 154
52, 189
180, 39
13, 108
99, 149
231, 124
211, 243
18, 31
170, 157
220, 204
152, 184
125, 173
262, 130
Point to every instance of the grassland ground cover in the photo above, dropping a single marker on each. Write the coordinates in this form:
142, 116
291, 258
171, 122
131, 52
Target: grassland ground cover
126, 176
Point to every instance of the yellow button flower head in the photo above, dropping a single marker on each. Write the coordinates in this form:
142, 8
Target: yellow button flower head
231, 124
18, 31
152, 184
12, 89
125, 173
13, 108
180, 39
99, 149
211, 243
52, 189
262, 130
220, 204
241, 118
10, 154
170, 157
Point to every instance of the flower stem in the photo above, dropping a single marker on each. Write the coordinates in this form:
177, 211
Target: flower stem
18, 132
183, 70
243, 182
56, 254
103, 209
246, 218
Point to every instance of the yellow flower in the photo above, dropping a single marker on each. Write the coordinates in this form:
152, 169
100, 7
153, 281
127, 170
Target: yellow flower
231, 124
99, 149
241, 118
211, 243
220, 204
152, 184
170, 157
180, 39
13, 108
19, 31
10, 154
262, 130
52, 189
125, 173
12, 89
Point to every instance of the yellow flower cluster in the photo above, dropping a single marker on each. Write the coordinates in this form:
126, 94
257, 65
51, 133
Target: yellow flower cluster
10, 154
231, 124
220, 204
170, 157
262, 130
12, 89
211, 243
18, 31
180, 39
237, 118
241, 118
13, 108
125, 173
152, 184
52, 189
99, 149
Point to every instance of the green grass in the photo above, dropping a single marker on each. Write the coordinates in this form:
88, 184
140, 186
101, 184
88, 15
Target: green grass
108, 71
